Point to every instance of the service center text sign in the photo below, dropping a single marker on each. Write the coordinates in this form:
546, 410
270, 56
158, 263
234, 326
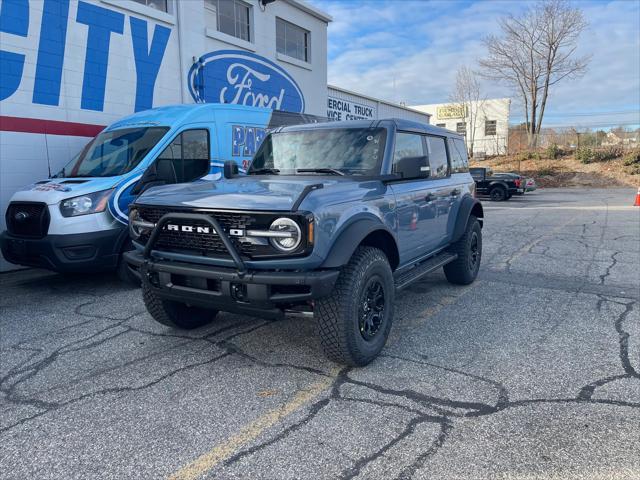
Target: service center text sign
339, 109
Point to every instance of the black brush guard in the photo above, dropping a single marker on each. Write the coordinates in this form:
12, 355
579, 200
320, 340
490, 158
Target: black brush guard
257, 292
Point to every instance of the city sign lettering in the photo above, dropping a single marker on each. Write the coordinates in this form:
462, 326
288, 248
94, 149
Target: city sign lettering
101, 25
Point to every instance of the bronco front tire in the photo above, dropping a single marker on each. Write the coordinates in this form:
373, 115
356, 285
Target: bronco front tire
175, 314
354, 321
464, 269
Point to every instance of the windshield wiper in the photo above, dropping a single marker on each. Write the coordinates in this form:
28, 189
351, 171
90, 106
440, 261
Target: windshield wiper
320, 170
264, 171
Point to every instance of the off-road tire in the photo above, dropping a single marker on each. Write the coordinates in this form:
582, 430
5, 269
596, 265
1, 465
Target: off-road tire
338, 315
122, 271
498, 194
463, 270
175, 314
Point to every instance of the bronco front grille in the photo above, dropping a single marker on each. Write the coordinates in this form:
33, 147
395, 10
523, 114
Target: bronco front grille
209, 244
27, 219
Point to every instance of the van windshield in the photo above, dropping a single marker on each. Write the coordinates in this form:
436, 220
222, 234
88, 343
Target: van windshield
114, 152
341, 151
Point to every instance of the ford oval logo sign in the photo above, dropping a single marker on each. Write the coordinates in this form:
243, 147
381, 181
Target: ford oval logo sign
243, 78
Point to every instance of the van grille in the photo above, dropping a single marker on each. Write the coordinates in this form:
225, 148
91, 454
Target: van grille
27, 219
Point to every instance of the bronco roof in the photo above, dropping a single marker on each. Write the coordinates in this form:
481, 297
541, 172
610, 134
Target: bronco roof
397, 123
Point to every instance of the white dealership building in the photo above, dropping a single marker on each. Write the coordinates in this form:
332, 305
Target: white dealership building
68, 68
490, 118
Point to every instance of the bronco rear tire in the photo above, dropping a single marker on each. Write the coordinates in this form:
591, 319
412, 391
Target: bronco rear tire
354, 321
176, 314
464, 269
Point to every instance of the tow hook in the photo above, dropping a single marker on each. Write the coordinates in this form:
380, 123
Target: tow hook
239, 292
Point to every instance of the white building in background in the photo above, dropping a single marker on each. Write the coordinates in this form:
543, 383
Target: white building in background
491, 124
68, 68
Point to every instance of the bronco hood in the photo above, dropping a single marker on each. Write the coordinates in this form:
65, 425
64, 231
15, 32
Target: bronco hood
240, 193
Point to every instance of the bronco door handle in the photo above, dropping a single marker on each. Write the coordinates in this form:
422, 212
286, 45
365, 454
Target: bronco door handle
430, 197
455, 192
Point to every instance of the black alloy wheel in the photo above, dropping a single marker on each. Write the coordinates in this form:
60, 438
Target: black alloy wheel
498, 194
371, 312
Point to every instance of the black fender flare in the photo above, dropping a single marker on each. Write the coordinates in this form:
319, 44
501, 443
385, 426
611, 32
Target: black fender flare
468, 206
350, 238
498, 183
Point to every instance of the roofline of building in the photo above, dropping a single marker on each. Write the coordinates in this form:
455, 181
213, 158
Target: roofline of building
311, 10
379, 100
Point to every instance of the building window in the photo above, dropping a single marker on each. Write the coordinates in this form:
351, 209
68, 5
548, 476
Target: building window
161, 5
490, 127
232, 17
441, 125
461, 128
292, 40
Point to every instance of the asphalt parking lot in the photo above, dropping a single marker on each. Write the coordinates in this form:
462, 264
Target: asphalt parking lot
531, 372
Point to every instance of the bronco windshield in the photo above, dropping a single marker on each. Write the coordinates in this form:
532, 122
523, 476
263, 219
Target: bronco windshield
339, 151
113, 152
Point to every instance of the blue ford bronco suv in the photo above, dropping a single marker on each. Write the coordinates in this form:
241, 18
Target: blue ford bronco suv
331, 220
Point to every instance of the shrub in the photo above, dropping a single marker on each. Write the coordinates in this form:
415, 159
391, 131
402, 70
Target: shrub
632, 157
553, 151
608, 153
529, 155
585, 155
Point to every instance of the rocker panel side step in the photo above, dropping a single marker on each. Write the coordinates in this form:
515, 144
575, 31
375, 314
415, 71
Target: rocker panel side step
405, 279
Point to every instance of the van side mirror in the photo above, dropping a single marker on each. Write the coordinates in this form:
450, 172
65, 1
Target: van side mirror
412, 167
230, 169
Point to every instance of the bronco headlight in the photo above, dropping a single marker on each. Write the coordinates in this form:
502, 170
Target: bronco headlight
286, 234
85, 204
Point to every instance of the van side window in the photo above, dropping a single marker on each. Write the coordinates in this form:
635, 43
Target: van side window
438, 157
409, 156
459, 162
187, 156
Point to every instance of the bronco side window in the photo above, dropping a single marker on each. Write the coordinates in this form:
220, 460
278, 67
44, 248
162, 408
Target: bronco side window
459, 162
186, 158
409, 156
438, 157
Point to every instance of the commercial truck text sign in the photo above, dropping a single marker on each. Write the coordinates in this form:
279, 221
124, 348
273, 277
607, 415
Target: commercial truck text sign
339, 109
101, 25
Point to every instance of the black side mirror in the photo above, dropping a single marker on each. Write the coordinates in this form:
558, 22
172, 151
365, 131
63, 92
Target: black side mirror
230, 169
149, 175
412, 167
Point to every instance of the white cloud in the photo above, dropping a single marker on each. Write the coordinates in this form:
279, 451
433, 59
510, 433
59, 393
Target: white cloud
411, 53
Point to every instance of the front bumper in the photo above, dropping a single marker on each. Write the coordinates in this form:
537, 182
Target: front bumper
81, 252
261, 293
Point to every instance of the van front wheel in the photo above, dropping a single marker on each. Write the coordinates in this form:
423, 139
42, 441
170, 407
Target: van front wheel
176, 314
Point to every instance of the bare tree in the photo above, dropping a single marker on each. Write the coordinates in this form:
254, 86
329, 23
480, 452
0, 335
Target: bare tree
468, 97
536, 51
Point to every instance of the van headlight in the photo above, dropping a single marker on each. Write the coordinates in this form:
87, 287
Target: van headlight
286, 234
85, 204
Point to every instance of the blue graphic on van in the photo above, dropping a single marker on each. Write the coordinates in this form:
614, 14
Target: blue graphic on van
246, 140
243, 78
122, 197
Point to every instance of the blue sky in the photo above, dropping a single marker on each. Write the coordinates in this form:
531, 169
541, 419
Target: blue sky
409, 50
